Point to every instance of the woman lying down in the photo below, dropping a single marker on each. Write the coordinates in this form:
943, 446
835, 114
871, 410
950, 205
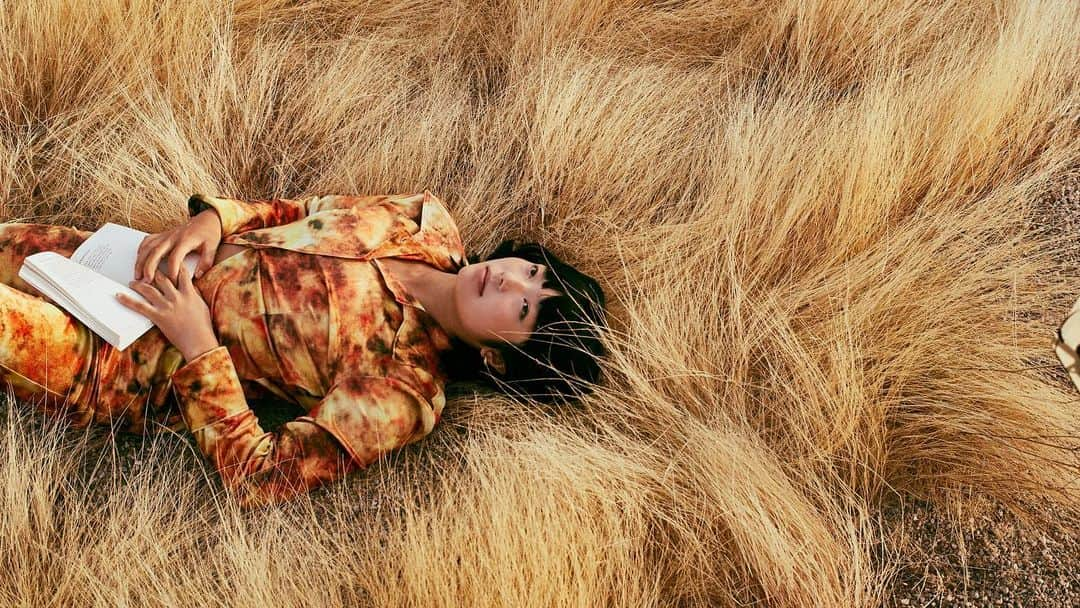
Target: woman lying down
357, 308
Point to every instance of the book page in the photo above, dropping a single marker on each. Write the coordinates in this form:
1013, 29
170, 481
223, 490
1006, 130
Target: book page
113, 249
87, 295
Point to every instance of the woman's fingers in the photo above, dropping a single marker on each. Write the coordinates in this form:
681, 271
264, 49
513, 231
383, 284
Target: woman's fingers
149, 292
186, 283
140, 255
140, 306
153, 258
176, 258
130, 302
165, 286
183, 281
136, 305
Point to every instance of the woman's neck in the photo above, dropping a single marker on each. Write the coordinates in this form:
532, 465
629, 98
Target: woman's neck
433, 288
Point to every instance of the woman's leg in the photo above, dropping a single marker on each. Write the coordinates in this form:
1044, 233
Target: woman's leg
46, 353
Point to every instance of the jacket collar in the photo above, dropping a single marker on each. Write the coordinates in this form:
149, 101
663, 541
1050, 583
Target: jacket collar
437, 243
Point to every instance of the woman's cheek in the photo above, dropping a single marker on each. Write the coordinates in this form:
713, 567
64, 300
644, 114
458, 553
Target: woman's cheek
483, 316
495, 319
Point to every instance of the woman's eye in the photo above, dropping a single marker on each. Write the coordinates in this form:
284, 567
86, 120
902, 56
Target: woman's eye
534, 270
524, 309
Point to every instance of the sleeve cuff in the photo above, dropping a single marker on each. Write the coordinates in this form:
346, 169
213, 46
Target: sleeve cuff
208, 389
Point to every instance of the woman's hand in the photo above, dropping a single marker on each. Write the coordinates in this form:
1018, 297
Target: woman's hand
177, 310
201, 233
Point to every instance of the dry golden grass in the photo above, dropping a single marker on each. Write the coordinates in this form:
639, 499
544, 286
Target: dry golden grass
812, 217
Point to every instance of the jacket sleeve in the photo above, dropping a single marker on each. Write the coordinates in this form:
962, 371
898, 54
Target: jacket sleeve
356, 422
242, 215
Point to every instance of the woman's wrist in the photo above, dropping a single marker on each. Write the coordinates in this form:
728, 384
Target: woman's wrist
213, 220
198, 348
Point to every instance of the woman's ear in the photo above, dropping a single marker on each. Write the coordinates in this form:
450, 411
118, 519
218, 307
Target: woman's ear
493, 359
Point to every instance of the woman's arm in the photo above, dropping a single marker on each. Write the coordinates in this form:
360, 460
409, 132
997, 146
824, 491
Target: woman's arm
357, 421
242, 215
213, 218
264, 467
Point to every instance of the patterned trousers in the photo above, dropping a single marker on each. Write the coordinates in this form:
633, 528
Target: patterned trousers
51, 359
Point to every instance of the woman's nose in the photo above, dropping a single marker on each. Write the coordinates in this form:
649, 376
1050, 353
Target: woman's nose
510, 282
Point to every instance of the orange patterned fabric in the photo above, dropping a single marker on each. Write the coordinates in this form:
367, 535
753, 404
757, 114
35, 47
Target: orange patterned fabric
50, 358
307, 312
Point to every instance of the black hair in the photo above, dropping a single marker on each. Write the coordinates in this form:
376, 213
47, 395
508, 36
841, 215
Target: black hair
560, 358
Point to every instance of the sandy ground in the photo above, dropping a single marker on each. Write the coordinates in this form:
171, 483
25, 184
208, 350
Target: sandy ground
1007, 564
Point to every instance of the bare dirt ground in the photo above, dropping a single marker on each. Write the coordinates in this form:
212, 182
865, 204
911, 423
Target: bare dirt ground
994, 561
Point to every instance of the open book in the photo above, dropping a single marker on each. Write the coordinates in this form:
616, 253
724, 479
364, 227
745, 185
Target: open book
86, 284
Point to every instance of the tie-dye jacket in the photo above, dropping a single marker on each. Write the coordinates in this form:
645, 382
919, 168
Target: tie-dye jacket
307, 312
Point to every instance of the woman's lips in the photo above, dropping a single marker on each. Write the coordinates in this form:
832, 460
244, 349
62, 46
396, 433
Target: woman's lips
483, 280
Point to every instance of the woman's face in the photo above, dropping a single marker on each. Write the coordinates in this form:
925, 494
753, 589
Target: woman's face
499, 300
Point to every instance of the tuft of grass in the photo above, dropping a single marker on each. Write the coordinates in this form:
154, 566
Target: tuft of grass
814, 220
